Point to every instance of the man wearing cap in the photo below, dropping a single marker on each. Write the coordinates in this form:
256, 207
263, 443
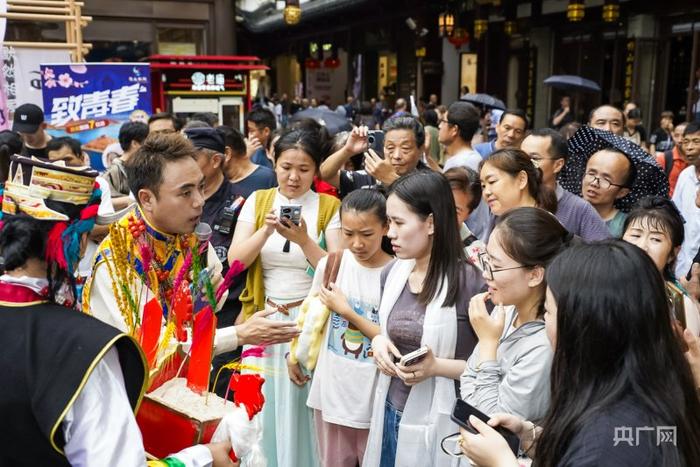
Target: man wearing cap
223, 201
29, 123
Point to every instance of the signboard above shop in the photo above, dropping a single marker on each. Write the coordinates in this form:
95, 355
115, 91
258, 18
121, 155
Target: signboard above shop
228, 82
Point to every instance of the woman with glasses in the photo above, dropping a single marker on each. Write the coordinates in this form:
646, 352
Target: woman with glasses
425, 294
622, 391
510, 179
655, 225
509, 369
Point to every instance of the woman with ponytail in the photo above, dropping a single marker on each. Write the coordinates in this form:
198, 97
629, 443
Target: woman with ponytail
508, 371
510, 179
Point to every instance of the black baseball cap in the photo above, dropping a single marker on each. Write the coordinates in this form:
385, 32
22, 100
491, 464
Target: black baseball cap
27, 118
206, 138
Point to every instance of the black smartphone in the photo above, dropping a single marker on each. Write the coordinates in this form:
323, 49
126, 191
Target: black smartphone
460, 415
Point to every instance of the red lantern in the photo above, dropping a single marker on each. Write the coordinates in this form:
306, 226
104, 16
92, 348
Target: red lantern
331, 62
459, 37
312, 64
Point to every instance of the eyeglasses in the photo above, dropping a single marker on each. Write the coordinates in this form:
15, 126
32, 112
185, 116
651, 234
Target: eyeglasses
603, 183
489, 270
444, 120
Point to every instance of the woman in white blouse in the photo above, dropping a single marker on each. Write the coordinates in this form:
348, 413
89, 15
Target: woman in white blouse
281, 256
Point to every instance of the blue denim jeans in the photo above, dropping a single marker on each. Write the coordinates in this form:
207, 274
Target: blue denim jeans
390, 437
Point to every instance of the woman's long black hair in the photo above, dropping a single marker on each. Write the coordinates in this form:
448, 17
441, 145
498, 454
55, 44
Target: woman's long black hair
427, 192
615, 340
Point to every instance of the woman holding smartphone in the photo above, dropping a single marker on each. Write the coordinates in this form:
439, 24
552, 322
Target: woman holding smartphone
618, 370
424, 302
280, 254
655, 225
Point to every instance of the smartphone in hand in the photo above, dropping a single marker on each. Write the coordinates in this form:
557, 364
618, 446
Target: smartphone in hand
460, 415
414, 357
291, 212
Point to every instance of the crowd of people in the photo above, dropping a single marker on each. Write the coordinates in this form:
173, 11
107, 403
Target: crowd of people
549, 278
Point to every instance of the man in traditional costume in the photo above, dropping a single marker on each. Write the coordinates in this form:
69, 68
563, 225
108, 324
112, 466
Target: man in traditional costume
151, 253
70, 382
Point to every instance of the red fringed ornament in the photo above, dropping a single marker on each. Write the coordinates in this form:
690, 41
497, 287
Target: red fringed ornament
150, 330
247, 390
89, 212
54, 245
201, 352
182, 307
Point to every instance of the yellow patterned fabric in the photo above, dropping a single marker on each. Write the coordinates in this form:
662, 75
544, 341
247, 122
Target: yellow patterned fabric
31, 182
122, 256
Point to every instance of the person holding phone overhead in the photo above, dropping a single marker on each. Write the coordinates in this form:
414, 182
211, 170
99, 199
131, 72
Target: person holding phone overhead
424, 302
279, 254
656, 226
617, 368
509, 369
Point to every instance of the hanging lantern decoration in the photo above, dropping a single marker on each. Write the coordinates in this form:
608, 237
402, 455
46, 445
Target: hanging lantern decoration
312, 63
576, 10
459, 37
510, 13
331, 62
611, 11
481, 21
292, 12
480, 27
446, 24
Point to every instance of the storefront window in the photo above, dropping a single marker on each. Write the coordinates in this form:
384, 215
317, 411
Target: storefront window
180, 41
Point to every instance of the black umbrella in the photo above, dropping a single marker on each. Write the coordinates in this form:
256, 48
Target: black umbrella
485, 100
649, 178
333, 121
571, 82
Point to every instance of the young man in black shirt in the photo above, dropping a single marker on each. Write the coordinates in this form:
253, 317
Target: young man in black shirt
29, 123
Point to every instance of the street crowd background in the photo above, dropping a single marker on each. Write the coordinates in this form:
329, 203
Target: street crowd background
552, 274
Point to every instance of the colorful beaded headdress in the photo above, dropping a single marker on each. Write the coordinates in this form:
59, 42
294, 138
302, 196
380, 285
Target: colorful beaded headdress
46, 191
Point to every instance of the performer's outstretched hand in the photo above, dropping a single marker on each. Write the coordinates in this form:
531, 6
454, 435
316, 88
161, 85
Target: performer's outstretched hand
259, 330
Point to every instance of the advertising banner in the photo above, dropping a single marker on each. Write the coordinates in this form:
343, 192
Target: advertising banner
90, 101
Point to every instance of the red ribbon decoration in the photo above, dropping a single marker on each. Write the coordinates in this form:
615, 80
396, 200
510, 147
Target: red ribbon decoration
150, 330
247, 390
201, 352
182, 307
